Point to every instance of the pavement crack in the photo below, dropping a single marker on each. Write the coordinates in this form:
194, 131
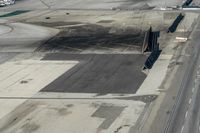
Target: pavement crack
119, 128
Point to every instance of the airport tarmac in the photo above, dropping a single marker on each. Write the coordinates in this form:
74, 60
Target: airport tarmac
91, 4
99, 74
81, 68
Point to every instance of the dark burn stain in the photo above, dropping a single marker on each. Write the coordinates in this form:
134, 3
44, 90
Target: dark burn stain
64, 111
78, 38
105, 21
54, 24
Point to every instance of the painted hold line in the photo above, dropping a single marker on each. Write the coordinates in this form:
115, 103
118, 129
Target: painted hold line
182, 129
195, 81
190, 100
193, 90
186, 114
198, 72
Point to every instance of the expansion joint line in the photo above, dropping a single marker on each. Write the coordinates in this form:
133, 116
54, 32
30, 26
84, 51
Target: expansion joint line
45, 4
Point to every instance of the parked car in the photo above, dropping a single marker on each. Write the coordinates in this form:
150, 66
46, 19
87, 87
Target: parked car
6, 2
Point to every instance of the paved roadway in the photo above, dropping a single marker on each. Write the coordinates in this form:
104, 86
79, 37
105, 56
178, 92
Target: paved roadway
186, 114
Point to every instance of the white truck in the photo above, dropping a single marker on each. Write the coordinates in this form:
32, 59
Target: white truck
6, 2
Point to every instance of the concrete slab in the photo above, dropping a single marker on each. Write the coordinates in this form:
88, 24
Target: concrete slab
155, 76
6, 56
25, 78
19, 37
41, 115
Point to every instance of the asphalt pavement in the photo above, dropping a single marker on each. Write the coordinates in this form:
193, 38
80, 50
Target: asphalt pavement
185, 114
99, 73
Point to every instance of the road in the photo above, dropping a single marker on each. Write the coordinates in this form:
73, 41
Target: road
185, 115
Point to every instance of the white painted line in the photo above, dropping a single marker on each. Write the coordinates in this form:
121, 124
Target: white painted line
198, 71
190, 100
181, 39
193, 90
182, 129
199, 128
186, 114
